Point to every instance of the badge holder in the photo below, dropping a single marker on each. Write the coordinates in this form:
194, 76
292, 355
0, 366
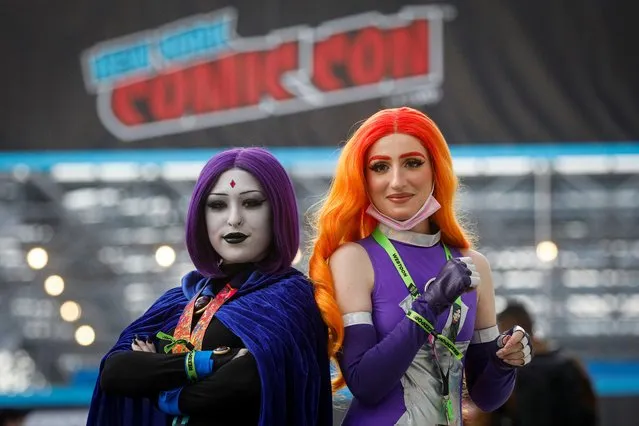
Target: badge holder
447, 404
180, 421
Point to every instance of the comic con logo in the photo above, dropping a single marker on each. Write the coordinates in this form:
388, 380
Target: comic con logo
199, 73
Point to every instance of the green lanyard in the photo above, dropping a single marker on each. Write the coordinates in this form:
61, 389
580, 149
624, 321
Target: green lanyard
386, 244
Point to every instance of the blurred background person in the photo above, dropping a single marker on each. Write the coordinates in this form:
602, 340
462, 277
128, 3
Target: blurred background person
553, 390
12, 417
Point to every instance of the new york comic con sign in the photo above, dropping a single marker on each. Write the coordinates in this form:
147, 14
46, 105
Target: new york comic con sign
198, 73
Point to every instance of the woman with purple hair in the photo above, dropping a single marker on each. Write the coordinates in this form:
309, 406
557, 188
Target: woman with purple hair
241, 341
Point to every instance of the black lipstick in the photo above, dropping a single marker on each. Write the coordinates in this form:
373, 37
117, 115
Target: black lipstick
235, 237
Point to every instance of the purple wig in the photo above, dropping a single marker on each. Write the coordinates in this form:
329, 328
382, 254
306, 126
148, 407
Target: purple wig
278, 189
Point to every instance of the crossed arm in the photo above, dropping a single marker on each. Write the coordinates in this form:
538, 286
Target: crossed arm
145, 373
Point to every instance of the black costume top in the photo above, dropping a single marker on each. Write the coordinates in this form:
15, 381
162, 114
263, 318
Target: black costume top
230, 396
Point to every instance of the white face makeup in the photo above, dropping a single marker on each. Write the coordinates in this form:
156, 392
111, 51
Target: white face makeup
238, 218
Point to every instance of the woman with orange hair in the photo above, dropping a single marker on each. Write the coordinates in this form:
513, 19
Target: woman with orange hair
409, 305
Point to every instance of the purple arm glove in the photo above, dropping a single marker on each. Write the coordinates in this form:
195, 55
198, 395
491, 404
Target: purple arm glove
490, 380
373, 368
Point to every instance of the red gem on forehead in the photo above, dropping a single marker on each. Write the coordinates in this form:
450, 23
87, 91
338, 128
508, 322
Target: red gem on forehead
232, 183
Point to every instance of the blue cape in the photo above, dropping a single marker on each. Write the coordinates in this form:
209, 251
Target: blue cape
277, 319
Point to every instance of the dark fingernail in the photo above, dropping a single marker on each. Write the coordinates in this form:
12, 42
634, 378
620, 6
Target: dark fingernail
136, 337
148, 340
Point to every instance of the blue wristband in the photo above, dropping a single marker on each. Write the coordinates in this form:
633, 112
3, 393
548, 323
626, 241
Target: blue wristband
203, 363
168, 402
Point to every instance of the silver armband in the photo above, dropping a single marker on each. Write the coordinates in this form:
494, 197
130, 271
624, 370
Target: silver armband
355, 318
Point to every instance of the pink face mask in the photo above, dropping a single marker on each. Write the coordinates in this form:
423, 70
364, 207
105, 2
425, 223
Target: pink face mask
431, 205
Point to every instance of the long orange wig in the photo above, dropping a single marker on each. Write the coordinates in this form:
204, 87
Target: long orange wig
342, 217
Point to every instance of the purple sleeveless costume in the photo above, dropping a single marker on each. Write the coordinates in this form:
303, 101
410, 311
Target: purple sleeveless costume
416, 399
